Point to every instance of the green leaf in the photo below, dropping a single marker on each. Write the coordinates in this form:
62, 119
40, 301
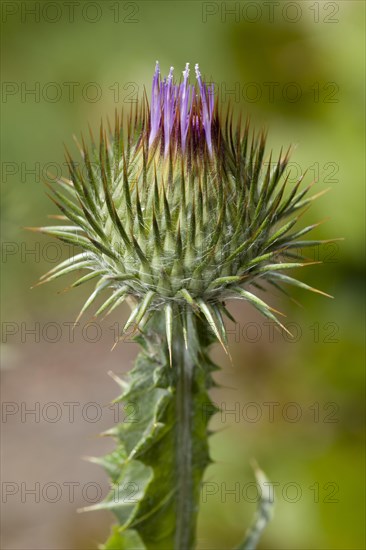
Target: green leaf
263, 514
123, 540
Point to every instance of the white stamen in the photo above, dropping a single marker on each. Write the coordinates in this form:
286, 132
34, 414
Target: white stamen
170, 75
186, 71
197, 69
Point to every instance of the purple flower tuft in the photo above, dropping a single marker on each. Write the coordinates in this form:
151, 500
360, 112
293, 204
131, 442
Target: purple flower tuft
180, 109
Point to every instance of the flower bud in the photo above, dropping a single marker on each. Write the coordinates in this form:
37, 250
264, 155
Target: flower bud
179, 206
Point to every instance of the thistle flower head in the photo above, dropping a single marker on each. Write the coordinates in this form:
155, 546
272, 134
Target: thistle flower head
177, 205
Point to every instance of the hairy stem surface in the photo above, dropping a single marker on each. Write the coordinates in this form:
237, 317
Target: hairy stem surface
185, 527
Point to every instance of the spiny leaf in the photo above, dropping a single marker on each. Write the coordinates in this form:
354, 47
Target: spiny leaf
259, 304
140, 310
275, 267
289, 280
213, 322
87, 264
112, 299
83, 256
100, 286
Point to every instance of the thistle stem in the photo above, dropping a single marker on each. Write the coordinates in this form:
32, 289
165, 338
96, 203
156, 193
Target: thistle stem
182, 362
165, 451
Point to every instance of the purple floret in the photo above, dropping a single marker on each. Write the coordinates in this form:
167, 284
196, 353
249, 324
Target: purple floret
155, 105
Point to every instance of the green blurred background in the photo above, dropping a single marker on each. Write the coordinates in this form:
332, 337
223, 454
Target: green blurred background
296, 68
